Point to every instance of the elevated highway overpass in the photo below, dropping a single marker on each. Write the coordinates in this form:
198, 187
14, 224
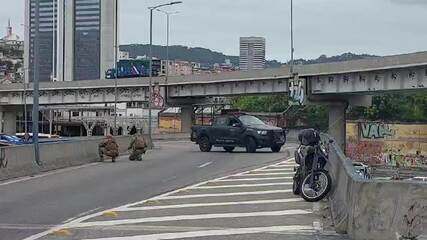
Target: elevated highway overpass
367, 76
336, 84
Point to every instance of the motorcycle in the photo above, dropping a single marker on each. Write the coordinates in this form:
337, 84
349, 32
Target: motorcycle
311, 180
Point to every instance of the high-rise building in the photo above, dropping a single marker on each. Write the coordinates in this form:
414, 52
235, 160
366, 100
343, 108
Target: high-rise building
252, 53
77, 38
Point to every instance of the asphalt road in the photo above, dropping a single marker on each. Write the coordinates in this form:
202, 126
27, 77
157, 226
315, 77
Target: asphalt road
34, 205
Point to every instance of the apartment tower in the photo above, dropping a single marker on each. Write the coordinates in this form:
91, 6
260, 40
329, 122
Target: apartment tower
252, 53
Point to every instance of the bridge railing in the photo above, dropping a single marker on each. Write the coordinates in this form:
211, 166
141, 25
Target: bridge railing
372, 209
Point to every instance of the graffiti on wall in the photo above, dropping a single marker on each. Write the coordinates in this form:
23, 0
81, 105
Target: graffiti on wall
396, 145
374, 130
413, 221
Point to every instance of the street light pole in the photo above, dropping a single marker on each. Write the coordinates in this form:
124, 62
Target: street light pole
292, 39
168, 14
26, 73
115, 130
167, 47
150, 74
36, 85
25, 109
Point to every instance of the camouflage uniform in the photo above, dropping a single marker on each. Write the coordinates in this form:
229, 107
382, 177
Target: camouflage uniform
108, 147
137, 149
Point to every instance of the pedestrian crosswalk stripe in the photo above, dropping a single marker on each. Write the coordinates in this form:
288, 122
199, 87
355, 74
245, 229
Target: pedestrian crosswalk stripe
284, 165
289, 200
191, 217
223, 194
244, 185
252, 179
267, 174
211, 233
275, 170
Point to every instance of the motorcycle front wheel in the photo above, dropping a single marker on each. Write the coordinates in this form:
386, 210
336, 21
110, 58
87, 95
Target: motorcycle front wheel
316, 191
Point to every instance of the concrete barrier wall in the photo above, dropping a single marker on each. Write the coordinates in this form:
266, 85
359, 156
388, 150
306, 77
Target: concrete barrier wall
372, 209
20, 159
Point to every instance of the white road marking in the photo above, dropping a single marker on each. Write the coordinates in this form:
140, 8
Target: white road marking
24, 179
284, 165
265, 174
316, 207
210, 233
225, 194
288, 161
190, 217
81, 215
289, 200
317, 226
275, 170
244, 185
252, 179
205, 165
56, 228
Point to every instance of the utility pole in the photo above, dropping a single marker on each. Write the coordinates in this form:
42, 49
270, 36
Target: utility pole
36, 85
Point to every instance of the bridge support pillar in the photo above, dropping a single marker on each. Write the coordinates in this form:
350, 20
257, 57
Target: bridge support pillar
8, 120
337, 123
186, 118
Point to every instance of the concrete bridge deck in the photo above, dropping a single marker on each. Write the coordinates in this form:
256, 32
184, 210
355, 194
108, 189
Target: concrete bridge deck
412, 60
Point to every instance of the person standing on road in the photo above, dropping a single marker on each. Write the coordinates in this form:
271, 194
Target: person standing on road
138, 147
108, 147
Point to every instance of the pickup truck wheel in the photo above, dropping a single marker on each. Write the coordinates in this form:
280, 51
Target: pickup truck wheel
276, 148
229, 149
250, 145
205, 145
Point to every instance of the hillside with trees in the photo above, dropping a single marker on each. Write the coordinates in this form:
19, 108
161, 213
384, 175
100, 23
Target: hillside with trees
197, 54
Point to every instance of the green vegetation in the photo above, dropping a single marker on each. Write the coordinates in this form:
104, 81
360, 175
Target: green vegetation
387, 108
394, 108
296, 116
277, 103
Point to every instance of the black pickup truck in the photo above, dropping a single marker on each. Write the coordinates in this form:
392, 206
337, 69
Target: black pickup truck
238, 130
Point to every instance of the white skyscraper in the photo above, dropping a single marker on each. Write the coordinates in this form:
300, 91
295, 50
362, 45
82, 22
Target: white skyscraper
252, 53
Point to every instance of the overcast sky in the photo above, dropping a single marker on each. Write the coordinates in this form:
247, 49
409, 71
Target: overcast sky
330, 27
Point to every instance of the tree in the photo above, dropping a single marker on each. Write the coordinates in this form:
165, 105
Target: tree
394, 107
275, 103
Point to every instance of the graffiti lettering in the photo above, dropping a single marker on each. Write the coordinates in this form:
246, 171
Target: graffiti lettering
376, 130
297, 91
